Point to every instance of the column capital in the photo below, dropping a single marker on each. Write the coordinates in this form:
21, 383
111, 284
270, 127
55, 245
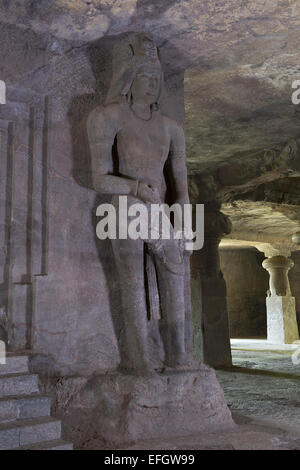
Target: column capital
278, 267
278, 262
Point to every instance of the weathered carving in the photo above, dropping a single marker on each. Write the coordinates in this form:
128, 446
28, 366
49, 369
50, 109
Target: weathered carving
148, 143
240, 175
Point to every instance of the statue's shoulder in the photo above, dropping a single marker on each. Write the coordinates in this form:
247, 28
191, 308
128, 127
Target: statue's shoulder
106, 119
109, 111
174, 127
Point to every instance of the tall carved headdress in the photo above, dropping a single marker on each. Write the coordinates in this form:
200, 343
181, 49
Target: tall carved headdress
128, 58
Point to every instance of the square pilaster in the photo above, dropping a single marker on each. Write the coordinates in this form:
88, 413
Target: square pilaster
281, 319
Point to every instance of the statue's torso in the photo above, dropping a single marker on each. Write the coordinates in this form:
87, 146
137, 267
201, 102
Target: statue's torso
143, 147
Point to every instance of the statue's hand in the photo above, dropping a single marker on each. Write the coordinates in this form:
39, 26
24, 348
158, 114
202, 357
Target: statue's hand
148, 193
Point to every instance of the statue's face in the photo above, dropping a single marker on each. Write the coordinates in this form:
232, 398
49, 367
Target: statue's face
145, 87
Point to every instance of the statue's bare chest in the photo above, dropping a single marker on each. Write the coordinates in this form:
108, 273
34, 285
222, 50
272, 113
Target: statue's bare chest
144, 141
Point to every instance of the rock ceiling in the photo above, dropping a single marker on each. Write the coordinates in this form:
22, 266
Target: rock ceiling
264, 222
240, 57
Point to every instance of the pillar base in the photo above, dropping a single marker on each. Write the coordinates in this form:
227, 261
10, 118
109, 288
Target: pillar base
282, 319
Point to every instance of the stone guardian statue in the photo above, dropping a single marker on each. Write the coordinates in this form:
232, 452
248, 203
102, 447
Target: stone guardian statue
150, 154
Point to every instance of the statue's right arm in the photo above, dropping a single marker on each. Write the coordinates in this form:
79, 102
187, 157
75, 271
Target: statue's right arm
102, 128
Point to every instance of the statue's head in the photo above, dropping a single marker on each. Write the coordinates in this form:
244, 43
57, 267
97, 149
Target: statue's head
137, 73
146, 86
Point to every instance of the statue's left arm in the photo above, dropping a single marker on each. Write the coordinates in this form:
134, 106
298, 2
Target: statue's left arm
177, 168
177, 165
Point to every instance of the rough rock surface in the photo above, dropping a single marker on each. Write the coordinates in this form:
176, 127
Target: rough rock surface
264, 222
262, 391
240, 59
115, 409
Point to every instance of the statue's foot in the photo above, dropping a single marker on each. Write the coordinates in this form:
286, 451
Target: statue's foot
182, 363
144, 372
176, 362
193, 364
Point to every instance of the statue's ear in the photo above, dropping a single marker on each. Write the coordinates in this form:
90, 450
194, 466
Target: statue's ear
161, 85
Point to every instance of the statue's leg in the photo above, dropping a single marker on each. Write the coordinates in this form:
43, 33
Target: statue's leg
170, 271
129, 255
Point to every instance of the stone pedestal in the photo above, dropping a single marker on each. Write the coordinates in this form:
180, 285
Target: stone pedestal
281, 319
114, 409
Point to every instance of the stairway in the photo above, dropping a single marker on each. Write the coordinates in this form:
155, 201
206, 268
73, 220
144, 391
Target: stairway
25, 421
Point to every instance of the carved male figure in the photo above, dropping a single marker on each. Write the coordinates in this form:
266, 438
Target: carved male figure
149, 144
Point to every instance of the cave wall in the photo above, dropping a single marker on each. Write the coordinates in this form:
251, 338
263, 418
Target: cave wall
58, 279
247, 283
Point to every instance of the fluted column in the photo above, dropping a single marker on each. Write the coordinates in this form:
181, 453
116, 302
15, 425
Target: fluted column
281, 307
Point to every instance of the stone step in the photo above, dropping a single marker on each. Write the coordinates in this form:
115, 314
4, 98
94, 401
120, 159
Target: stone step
49, 445
24, 407
18, 384
26, 432
14, 365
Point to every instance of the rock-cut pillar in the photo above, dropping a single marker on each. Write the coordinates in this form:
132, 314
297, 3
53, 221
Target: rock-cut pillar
208, 287
281, 307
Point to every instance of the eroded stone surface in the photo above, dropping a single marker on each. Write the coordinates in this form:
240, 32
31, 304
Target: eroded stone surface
244, 56
241, 58
113, 409
149, 152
